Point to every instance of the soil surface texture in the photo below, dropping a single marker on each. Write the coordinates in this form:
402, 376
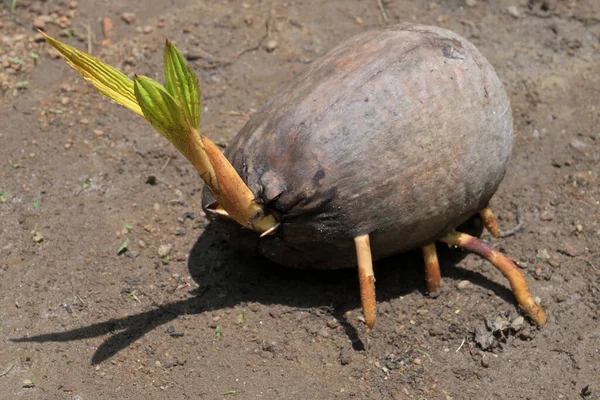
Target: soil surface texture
111, 287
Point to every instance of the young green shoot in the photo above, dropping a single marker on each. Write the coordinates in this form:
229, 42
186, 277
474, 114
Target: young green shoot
174, 111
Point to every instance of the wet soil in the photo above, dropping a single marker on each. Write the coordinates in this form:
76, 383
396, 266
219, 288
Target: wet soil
179, 314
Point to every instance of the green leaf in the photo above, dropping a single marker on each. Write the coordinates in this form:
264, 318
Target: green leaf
4, 196
182, 83
15, 60
162, 111
123, 247
107, 80
36, 205
218, 332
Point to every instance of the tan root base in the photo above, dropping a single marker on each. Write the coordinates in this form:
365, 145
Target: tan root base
489, 221
366, 279
433, 277
506, 266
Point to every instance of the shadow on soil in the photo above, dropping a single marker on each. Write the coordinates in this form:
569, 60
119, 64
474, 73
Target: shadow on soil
227, 278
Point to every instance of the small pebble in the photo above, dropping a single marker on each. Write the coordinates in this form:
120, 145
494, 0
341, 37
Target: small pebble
142, 244
470, 3
39, 23
517, 323
147, 29
128, 17
345, 357
525, 334
578, 144
462, 285
164, 250
270, 46
485, 363
514, 11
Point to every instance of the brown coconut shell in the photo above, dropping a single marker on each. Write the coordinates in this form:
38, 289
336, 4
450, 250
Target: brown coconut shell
402, 133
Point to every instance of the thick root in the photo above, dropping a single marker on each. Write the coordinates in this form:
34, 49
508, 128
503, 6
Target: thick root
433, 278
508, 269
489, 221
366, 279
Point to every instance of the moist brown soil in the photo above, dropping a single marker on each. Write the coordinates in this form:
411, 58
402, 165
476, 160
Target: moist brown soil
180, 314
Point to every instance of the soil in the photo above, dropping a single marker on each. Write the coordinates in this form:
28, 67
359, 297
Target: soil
179, 314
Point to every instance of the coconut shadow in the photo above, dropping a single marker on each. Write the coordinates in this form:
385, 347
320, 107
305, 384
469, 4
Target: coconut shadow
228, 278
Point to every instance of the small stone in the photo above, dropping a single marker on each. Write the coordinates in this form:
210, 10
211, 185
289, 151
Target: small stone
568, 250
525, 334
64, 22
417, 361
65, 100
84, 121
147, 29
270, 46
39, 23
542, 254
68, 146
156, 207
514, 11
546, 216
142, 244
164, 250
345, 357
98, 132
500, 323
73, 5
148, 227
517, 323
485, 363
462, 285
324, 333
579, 228
578, 145
470, 3
128, 17
484, 339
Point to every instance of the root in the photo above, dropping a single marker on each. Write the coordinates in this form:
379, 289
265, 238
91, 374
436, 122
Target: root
506, 266
432, 268
366, 279
489, 221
